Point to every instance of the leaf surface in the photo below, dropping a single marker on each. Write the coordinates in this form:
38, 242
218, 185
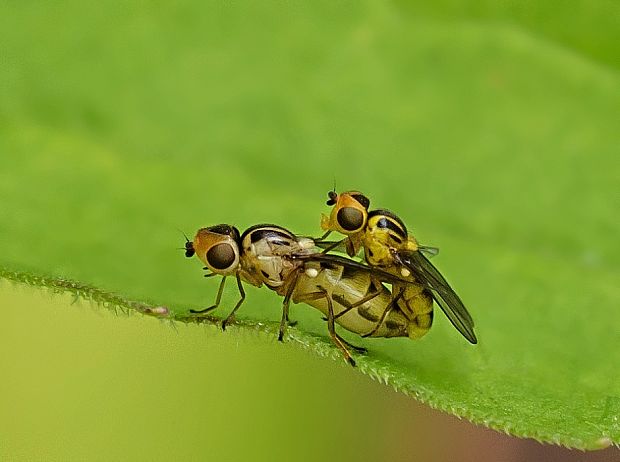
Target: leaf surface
120, 126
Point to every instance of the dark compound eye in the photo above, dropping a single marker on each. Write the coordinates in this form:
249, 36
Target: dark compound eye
221, 256
350, 219
332, 198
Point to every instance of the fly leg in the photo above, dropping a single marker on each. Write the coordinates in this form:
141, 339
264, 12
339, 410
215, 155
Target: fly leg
217, 298
378, 289
323, 237
384, 314
360, 350
331, 327
331, 246
231, 316
349, 246
285, 306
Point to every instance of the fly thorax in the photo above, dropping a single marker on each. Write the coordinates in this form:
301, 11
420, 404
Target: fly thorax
273, 269
377, 249
277, 267
385, 233
250, 270
305, 244
263, 265
412, 243
251, 276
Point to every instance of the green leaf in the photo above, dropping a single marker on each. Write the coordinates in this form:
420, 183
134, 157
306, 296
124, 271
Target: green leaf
119, 126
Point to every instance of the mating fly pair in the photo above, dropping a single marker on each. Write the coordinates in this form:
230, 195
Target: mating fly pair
347, 292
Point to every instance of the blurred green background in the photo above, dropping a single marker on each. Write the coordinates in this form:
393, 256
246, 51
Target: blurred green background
492, 129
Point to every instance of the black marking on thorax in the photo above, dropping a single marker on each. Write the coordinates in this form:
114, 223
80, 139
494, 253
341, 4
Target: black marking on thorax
387, 220
258, 232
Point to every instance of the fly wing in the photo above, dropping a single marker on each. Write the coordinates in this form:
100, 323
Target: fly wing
341, 246
331, 260
428, 250
426, 274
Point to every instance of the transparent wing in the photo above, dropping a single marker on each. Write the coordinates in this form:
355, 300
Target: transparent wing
426, 274
428, 250
331, 260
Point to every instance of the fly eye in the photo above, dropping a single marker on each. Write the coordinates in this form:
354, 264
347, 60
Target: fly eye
350, 219
332, 198
221, 256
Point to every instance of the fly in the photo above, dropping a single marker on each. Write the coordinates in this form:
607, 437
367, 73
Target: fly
387, 245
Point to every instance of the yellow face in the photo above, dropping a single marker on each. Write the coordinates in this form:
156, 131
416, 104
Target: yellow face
349, 214
217, 248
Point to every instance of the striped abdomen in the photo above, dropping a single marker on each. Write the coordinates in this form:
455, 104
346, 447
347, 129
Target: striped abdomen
352, 285
416, 303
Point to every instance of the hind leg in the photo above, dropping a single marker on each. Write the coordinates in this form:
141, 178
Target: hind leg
331, 327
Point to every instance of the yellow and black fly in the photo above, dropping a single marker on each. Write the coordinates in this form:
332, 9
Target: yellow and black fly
388, 246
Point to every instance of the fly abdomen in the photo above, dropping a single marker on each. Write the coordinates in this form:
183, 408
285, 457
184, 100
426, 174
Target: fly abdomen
347, 287
416, 304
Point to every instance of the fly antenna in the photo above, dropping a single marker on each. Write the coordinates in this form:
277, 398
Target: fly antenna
332, 195
189, 245
184, 235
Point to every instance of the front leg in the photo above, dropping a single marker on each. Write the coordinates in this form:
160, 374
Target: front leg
231, 316
218, 298
386, 311
377, 290
285, 305
360, 350
338, 341
331, 246
331, 327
